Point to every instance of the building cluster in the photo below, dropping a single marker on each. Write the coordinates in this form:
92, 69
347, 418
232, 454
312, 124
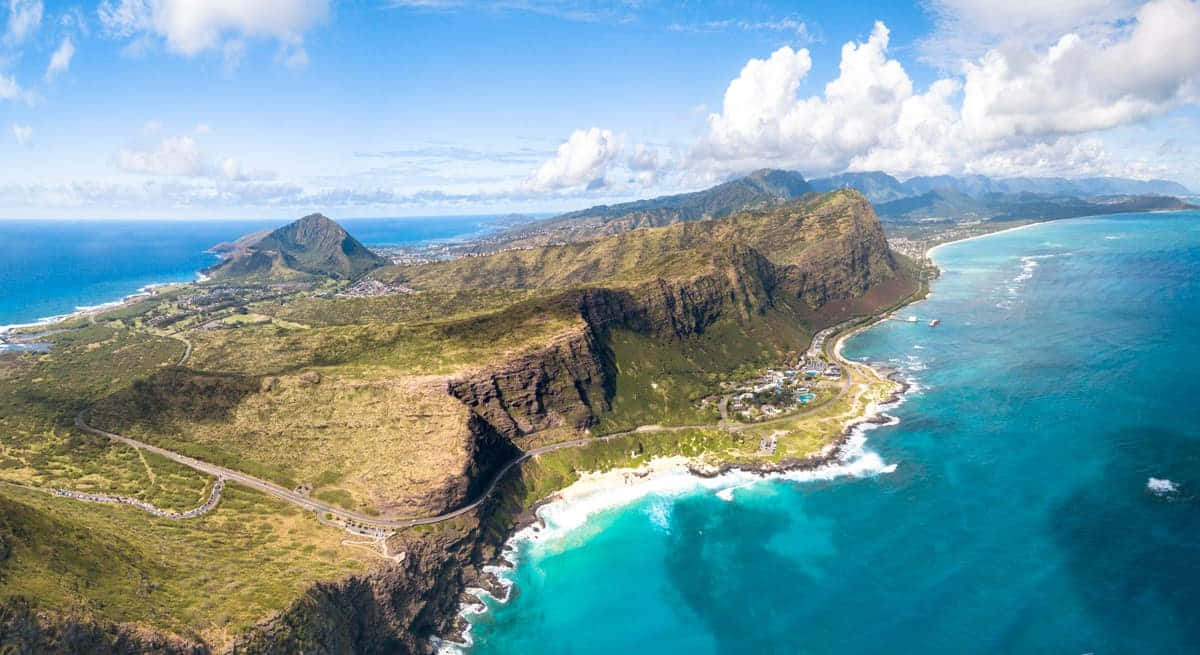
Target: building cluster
777, 392
215, 299
370, 288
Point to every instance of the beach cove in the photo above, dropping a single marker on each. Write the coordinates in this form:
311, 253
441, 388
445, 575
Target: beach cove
1021, 502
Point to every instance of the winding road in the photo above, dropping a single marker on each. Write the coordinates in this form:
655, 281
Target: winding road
322, 508
325, 510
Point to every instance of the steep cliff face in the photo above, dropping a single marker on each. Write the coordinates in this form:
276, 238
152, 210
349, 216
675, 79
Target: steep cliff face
563, 384
739, 269
390, 611
569, 382
25, 630
744, 268
844, 265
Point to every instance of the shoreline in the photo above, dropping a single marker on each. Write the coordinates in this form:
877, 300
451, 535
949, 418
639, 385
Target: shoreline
143, 291
845, 455
595, 492
933, 249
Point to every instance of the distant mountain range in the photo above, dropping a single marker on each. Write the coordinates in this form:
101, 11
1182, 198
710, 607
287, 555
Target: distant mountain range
313, 245
760, 189
880, 187
946, 197
977, 197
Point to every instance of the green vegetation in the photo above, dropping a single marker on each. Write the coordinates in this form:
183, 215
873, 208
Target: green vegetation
682, 250
418, 348
396, 405
423, 307
760, 188
661, 382
367, 444
209, 578
313, 245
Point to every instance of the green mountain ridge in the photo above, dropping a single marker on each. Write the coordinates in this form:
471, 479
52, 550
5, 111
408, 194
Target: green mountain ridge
762, 188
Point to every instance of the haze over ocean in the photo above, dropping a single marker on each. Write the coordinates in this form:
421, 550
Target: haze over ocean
1021, 516
50, 268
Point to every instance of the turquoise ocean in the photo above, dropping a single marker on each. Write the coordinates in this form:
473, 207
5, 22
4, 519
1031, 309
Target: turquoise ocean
50, 268
1039, 493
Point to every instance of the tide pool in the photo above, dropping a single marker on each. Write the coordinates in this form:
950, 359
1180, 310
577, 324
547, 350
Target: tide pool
1044, 495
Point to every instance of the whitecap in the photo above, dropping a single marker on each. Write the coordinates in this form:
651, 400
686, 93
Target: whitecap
659, 513
562, 517
1161, 486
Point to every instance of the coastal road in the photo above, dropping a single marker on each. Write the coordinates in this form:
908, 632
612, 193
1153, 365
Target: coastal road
321, 508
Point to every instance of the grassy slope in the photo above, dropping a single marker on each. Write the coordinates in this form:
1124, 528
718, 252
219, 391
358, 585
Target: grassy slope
375, 357
377, 433
210, 576
660, 382
676, 251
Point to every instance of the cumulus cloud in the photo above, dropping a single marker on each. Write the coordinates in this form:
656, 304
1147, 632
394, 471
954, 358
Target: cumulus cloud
189, 28
1078, 85
1034, 107
24, 17
23, 134
583, 159
60, 61
161, 154
762, 117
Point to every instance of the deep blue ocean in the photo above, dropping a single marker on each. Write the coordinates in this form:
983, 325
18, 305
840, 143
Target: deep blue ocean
1045, 495
50, 268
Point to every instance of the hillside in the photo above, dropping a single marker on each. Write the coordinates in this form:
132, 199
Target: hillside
760, 188
950, 205
798, 233
402, 406
881, 188
313, 245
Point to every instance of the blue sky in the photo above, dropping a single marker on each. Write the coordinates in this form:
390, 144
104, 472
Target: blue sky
247, 108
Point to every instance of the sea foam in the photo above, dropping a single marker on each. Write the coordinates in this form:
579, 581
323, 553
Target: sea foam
1161, 486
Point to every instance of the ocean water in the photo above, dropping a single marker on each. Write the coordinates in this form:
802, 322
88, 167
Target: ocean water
51, 268
1039, 494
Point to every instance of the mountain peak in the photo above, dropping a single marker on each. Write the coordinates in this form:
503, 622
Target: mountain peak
312, 245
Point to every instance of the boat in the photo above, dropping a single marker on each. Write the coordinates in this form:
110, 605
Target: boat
935, 322
912, 319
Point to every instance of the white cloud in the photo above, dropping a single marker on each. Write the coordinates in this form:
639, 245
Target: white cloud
11, 90
60, 61
189, 27
583, 159
965, 29
173, 155
1078, 85
1035, 107
762, 117
23, 134
161, 154
24, 17
793, 25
